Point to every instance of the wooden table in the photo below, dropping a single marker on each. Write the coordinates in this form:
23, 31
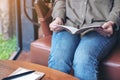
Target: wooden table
8, 66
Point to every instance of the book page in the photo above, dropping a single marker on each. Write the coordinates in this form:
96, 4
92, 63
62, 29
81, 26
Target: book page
86, 27
69, 29
33, 76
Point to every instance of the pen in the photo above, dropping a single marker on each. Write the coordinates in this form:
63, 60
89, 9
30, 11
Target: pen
18, 75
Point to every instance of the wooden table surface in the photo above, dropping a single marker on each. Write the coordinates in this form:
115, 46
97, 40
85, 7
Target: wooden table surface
8, 66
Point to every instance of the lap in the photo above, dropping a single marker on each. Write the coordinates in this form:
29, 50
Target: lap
94, 44
64, 44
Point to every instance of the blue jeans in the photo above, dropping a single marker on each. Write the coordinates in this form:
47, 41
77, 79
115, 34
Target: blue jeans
83, 54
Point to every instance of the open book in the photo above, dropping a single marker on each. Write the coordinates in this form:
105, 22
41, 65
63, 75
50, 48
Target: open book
32, 76
87, 27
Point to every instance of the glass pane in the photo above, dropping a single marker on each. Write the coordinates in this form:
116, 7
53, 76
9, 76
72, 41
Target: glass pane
8, 39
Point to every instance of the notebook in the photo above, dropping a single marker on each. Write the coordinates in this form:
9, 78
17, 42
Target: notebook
32, 76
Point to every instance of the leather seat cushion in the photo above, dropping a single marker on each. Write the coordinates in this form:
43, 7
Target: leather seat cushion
40, 50
111, 66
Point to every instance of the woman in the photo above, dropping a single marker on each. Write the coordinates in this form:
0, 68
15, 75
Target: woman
83, 54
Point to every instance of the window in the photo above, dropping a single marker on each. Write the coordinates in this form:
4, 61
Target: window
9, 33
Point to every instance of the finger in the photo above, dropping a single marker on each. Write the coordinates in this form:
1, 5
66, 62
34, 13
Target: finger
102, 32
109, 30
58, 29
52, 26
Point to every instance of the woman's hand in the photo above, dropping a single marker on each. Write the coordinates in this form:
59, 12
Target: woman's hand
53, 26
107, 29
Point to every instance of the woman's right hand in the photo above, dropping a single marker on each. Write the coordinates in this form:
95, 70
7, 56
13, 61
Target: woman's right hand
53, 25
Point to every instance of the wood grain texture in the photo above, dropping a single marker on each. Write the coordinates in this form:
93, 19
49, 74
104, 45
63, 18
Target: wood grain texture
8, 66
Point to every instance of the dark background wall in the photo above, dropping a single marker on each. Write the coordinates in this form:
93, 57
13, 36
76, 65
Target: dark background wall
28, 31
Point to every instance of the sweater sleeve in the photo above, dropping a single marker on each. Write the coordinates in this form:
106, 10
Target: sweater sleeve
59, 9
115, 13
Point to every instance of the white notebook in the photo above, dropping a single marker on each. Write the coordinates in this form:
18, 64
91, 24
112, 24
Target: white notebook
32, 76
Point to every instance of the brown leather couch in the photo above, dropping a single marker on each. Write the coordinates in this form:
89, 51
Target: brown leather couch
40, 48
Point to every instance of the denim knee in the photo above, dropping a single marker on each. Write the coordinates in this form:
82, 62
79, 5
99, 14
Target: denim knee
62, 51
